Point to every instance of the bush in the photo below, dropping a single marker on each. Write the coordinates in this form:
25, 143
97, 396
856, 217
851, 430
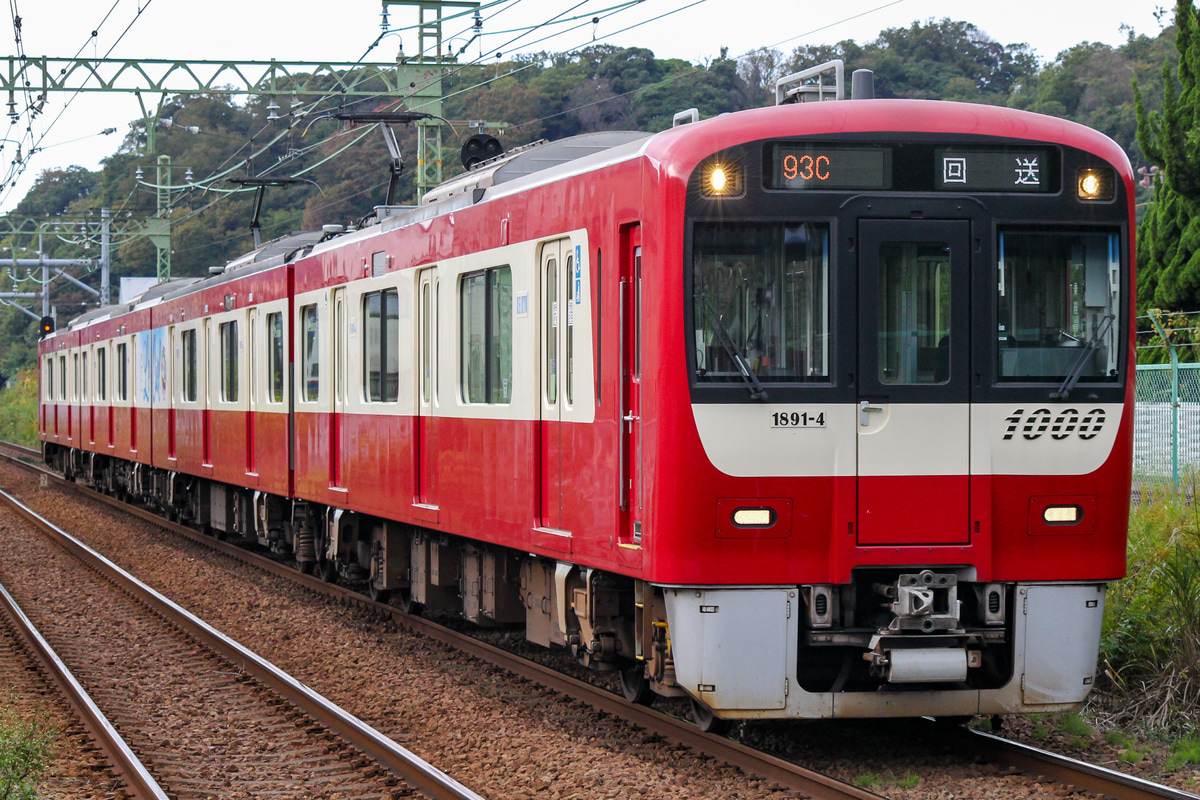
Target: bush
1151, 642
26, 748
18, 410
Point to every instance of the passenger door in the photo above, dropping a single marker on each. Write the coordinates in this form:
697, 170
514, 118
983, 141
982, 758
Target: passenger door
914, 385
427, 387
337, 438
553, 310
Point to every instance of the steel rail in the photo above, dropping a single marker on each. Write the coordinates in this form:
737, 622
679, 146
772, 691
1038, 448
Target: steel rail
784, 773
1028, 759
1063, 769
121, 757
415, 771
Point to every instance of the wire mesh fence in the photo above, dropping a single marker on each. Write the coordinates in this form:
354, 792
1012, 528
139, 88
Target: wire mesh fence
1166, 423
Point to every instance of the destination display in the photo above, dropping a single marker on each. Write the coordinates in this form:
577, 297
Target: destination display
915, 167
825, 167
1009, 169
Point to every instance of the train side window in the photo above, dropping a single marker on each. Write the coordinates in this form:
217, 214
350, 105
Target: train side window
122, 372
275, 357
486, 336
85, 395
102, 373
189, 358
571, 301
311, 355
228, 333
49, 372
381, 346
62, 374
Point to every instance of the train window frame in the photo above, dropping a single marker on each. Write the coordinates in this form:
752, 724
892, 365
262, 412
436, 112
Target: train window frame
275, 355
227, 333
486, 336
1103, 292
817, 326
85, 374
62, 374
381, 346
189, 358
48, 371
310, 352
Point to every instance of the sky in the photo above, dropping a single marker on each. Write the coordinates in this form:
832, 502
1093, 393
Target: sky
69, 129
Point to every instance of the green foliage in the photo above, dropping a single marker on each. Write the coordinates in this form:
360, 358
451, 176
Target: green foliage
871, 781
1184, 752
1182, 331
26, 749
1169, 235
1150, 644
1076, 725
18, 410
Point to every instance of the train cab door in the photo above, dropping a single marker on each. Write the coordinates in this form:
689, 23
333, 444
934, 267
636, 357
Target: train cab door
337, 438
553, 308
630, 455
427, 389
914, 383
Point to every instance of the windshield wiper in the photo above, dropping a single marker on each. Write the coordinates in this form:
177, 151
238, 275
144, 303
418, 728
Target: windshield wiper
1077, 368
757, 392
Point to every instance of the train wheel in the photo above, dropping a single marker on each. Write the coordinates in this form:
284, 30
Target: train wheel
327, 571
377, 594
636, 687
305, 567
707, 721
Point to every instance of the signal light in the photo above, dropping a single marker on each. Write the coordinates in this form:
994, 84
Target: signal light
46, 325
478, 148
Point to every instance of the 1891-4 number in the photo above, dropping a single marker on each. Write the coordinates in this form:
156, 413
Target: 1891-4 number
797, 419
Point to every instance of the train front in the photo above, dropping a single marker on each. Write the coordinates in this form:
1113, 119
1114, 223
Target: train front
902, 482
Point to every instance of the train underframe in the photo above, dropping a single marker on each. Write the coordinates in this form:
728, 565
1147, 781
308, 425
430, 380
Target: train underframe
896, 641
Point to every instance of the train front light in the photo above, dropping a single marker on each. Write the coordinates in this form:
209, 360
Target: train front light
754, 517
1062, 515
1096, 184
719, 178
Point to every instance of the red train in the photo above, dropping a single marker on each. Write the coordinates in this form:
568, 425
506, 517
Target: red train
817, 410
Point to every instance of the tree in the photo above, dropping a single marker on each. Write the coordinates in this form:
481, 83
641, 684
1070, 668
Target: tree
1169, 236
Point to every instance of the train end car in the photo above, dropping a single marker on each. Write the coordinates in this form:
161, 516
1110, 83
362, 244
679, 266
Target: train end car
817, 410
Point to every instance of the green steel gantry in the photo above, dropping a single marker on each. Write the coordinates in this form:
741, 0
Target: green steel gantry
417, 79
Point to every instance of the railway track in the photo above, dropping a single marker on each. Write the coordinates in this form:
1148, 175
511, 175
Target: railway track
199, 726
973, 745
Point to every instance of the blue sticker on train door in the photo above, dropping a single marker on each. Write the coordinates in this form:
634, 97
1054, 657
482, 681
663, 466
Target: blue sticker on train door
578, 275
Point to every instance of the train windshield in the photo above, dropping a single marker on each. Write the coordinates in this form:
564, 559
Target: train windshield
1058, 306
760, 302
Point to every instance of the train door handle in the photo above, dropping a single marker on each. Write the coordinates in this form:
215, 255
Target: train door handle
631, 418
865, 409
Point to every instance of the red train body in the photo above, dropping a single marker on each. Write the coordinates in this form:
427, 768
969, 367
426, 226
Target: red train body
846, 434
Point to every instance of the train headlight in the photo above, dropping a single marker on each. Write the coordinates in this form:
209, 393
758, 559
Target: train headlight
1096, 184
1062, 515
754, 517
721, 178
